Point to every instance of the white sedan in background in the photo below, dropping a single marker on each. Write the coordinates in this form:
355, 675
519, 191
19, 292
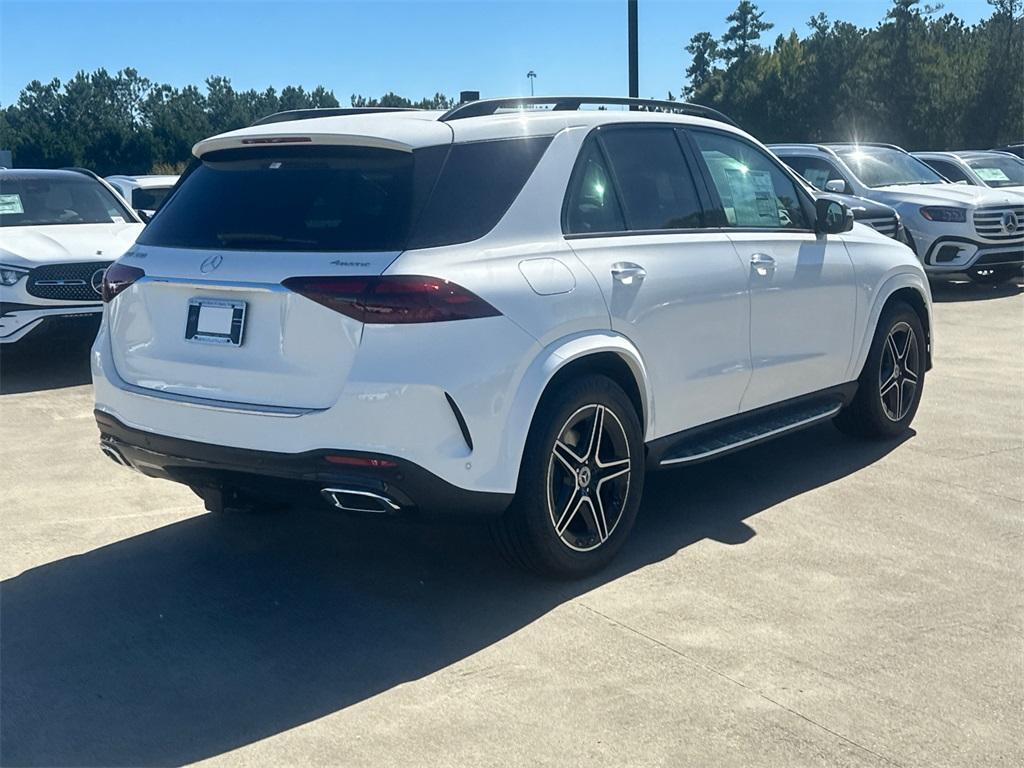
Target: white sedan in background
143, 193
59, 231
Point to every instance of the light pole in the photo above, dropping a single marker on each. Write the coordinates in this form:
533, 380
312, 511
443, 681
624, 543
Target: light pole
634, 77
531, 76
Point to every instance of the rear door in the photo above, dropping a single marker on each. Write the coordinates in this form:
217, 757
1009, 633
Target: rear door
634, 215
802, 286
211, 318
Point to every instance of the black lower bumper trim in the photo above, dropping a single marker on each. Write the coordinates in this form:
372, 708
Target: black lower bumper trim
294, 478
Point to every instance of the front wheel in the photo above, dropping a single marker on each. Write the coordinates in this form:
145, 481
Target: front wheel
890, 385
580, 481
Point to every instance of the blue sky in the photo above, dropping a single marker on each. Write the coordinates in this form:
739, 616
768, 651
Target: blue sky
413, 48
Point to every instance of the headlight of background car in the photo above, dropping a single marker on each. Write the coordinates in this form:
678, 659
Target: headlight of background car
11, 275
943, 213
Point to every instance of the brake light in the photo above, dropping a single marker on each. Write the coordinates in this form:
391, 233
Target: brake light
393, 298
279, 140
118, 277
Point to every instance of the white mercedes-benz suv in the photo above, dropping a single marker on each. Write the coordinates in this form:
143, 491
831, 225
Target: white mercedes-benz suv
953, 227
59, 230
501, 310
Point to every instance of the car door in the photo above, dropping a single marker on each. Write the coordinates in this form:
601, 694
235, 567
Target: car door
802, 284
675, 287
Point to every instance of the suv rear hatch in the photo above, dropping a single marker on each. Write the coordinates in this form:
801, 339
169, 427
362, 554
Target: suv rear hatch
211, 319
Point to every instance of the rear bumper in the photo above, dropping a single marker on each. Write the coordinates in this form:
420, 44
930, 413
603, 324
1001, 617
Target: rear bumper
297, 478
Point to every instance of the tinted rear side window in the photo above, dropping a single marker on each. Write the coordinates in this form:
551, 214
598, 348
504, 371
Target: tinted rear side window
592, 205
291, 199
653, 179
149, 199
478, 183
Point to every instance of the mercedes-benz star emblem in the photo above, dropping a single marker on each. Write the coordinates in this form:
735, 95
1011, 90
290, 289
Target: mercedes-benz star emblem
211, 263
1010, 222
96, 281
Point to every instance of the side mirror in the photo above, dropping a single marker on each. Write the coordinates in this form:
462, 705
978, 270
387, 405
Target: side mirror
832, 217
835, 185
144, 215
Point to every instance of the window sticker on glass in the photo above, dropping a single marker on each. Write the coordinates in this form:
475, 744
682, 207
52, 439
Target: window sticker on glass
10, 204
117, 219
753, 197
991, 174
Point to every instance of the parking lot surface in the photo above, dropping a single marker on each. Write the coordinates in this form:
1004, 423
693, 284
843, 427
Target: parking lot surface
814, 601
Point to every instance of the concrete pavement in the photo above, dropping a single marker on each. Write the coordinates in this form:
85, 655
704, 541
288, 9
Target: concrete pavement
816, 601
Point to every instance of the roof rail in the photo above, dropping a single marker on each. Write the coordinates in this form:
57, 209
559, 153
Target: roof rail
864, 144
309, 114
569, 103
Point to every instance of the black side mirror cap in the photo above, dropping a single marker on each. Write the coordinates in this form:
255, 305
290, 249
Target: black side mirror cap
832, 217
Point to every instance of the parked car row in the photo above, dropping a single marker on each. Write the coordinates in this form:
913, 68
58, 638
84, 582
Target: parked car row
976, 228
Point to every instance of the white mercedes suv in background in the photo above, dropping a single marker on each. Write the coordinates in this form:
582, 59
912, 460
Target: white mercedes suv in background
998, 170
501, 310
143, 193
954, 228
59, 231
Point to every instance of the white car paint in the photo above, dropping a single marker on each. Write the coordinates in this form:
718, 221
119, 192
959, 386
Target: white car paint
127, 186
307, 378
27, 248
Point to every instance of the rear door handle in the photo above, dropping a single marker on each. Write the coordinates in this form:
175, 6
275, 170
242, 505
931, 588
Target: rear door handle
627, 273
762, 264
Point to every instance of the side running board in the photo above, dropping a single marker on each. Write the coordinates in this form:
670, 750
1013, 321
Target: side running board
743, 432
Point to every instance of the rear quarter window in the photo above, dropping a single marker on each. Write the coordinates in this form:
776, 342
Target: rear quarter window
479, 182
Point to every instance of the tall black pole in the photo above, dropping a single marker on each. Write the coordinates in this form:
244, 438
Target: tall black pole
634, 75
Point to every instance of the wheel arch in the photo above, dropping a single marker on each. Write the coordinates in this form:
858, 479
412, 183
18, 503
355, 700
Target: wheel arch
604, 353
911, 288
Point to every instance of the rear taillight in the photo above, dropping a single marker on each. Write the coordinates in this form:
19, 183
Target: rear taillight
118, 277
393, 298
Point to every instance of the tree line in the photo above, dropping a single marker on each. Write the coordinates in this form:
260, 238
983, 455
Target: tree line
919, 78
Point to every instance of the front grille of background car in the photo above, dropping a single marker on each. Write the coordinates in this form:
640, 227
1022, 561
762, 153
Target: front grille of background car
886, 225
989, 222
66, 282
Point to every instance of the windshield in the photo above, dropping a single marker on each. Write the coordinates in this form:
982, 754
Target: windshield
883, 167
999, 170
66, 198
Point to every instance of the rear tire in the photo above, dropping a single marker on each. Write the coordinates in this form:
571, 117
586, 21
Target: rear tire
890, 385
577, 498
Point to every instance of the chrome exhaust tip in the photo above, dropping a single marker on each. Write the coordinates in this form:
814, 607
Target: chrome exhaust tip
364, 502
115, 455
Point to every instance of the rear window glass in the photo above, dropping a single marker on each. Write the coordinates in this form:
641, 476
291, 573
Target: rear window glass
290, 199
149, 199
58, 198
327, 198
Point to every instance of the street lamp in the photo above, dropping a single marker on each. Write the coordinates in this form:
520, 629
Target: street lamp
531, 76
